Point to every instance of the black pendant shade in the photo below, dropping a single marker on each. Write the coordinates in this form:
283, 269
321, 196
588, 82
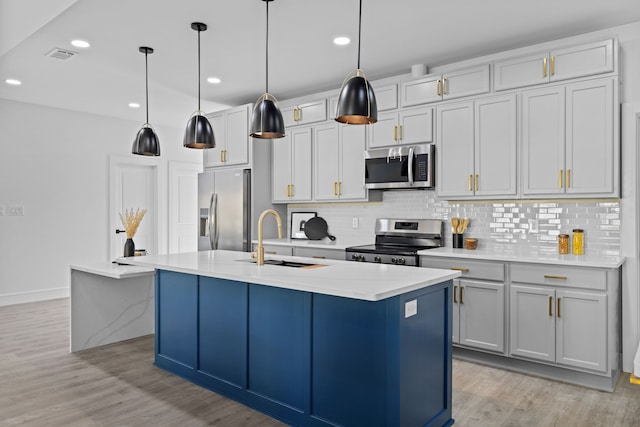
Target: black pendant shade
199, 133
267, 121
357, 101
146, 142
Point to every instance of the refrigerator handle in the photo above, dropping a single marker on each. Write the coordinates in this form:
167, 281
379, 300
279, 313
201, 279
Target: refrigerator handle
213, 221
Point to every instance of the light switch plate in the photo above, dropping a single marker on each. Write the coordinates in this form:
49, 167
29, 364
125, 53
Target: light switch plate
354, 222
15, 210
410, 308
1, 210
533, 225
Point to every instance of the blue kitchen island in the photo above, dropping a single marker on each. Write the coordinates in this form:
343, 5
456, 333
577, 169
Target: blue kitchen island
331, 344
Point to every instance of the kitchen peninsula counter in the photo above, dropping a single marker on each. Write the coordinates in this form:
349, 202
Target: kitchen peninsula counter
340, 343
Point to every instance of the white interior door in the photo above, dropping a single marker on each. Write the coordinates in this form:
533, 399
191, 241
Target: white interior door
183, 206
134, 185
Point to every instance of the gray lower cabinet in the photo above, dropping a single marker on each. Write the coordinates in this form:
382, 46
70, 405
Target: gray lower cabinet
320, 253
276, 250
478, 302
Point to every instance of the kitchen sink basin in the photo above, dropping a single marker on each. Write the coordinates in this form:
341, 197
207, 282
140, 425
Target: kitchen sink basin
284, 263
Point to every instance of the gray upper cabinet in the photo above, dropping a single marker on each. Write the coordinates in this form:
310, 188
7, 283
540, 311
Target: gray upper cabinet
304, 113
441, 87
409, 126
291, 171
561, 64
231, 131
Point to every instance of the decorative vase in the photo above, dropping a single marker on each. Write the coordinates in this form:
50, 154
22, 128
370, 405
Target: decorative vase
129, 248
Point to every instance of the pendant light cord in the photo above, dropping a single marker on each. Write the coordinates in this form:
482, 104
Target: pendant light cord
359, 32
198, 70
267, 51
146, 80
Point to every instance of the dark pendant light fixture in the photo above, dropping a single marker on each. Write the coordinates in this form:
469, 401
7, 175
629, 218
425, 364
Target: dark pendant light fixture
146, 142
267, 121
199, 133
357, 102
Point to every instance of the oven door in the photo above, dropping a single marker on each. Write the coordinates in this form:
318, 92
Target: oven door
400, 167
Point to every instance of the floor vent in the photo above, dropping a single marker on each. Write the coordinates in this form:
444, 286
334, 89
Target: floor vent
61, 53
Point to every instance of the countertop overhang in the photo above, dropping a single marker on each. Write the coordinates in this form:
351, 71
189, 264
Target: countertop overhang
364, 281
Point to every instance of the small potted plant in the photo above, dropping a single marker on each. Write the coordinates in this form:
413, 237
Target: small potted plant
130, 221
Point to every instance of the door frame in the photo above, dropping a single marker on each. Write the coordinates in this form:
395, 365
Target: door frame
159, 198
174, 168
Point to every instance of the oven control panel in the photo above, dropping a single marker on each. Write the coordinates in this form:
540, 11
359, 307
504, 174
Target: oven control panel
382, 258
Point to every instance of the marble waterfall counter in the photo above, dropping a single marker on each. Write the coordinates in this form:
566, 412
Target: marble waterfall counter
110, 303
336, 343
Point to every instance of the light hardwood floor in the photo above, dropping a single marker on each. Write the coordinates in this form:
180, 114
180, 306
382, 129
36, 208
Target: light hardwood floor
42, 384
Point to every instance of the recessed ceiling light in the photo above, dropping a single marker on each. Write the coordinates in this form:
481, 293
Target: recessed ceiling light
214, 80
80, 43
13, 82
134, 105
342, 41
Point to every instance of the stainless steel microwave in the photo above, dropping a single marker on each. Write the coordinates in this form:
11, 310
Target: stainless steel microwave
400, 167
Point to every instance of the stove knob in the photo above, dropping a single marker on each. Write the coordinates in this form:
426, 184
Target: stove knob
362, 259
401, 261
394, 260
354, 257
377, 259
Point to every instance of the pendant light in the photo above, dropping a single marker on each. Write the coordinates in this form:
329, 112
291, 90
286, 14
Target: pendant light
357, 102
199, 133
146, 142
267, 121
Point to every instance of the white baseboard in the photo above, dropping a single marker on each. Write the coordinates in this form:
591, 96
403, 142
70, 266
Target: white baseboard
33, 296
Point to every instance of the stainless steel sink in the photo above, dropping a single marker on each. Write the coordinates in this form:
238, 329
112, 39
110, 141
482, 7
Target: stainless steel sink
281, 262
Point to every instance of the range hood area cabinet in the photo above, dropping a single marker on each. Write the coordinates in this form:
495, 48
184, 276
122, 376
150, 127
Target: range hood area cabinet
291, 166
569, 140
441, 87
231, 130
560, 64
476, 148
409, 126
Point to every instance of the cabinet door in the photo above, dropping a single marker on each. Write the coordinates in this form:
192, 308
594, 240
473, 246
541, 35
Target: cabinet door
281, 168
386, 97
326, 162
471, 81
482, 315
289, 115
590, 146
352, 146
543, 141
495, 146
383, 133
237, 136
581, 329
532, 322
421, 91
319, 253
301, 164
312, 112
523, 71
583, 60
213, 156
455, 150
416, 126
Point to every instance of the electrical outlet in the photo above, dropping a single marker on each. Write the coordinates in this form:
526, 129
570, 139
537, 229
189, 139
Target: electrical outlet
1, 210
354, 222
533, 225
15, 210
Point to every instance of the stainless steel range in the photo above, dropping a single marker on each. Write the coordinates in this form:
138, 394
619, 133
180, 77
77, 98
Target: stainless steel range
399, 240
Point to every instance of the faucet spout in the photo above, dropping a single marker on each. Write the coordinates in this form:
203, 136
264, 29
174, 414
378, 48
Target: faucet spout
260, 248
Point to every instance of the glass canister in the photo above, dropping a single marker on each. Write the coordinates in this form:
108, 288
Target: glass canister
563, 244
578, 241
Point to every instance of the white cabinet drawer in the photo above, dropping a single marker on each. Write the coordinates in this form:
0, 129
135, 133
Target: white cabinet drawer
486, 270
558, 275
276, 250
319, 253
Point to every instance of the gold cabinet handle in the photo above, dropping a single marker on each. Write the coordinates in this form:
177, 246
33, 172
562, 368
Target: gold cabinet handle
553, 65
339, 188
469, 182
335, 188
476, 182
288, 193
568, 182
546, 276
558, 307
318, 256
544, 67
395, 133
464, 270
455, 296
438, 86
444, 86
461, 289
225, 156
296, 114
550, 306
291, 187
270, 252
221, 156
399, 132
560, 174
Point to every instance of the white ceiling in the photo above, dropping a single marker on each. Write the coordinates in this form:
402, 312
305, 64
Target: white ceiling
395, 34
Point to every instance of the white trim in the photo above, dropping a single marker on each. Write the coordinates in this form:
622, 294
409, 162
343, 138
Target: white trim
34, 296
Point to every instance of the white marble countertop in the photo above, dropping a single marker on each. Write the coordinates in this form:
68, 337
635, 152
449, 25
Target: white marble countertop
338, 244
365, 281
530, 256
115, 271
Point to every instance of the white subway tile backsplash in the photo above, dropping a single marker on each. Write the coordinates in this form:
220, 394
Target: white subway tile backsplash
496, 225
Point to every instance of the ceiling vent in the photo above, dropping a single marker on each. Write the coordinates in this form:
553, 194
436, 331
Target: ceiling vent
61, 53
